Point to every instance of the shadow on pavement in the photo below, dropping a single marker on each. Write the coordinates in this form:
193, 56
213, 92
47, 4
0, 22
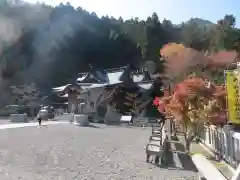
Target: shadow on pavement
90, 126
184, 157
178, 156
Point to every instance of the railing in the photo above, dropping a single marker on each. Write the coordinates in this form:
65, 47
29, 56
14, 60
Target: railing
224, 143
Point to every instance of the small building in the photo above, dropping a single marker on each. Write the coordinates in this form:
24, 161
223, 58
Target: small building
100, 89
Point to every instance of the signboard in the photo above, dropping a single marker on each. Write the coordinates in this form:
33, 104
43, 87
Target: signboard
126, 118
232, 96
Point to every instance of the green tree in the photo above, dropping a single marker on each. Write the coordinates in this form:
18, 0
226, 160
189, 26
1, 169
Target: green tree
156, 38
194, 37
224, 34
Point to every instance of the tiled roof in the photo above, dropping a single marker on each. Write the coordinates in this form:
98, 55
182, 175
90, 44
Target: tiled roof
93, 86
113, 78
65, 95
91, 80
138, 78
64, 89
82, 77
60, 88
99, 76
145, 85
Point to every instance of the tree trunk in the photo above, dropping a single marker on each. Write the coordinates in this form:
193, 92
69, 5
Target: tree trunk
185, 140
187, 146
188, 141
174, 133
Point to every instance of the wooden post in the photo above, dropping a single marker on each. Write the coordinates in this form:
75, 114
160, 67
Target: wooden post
173, 131
229, 149
168, 128
72, 102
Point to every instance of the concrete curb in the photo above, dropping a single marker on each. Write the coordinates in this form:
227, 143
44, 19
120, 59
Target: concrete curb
222, 161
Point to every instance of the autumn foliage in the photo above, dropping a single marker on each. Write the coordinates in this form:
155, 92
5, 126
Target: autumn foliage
192, 95
224, 59
195, 101
192, 104
182, 61
179, 59
180, 54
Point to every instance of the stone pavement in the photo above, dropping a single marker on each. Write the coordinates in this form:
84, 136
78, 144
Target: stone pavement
69, 152
4, 121
29, 124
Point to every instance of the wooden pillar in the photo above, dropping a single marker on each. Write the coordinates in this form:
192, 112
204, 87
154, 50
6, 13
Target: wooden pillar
72, 102
69, 105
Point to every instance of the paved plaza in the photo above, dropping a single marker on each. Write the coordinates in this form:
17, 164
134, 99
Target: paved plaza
69, 152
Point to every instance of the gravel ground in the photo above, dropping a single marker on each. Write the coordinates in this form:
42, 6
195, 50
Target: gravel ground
8, 121
4, 121
69, 152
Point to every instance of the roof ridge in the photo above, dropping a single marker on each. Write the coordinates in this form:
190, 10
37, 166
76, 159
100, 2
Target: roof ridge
146, 81
110, 69
120, 68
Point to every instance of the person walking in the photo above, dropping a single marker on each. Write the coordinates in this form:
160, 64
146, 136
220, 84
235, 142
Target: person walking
40, 121
42, 114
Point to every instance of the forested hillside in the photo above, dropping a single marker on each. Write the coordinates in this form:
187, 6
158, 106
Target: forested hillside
49, 46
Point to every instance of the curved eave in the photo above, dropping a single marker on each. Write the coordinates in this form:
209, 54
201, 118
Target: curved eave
64, 96
92, 86
113, 77
62, 90
82, 78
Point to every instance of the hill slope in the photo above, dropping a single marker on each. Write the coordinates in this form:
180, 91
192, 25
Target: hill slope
200, 22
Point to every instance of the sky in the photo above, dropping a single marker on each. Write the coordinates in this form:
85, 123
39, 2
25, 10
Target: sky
175, 10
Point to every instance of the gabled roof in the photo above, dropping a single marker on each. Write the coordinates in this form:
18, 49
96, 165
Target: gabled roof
82, 77
141, 76
64, 89
138, 78
117, 69
93, 86
60, 88
146, 85
98, 76
65, 95
99, 79
93, 77
113, 78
